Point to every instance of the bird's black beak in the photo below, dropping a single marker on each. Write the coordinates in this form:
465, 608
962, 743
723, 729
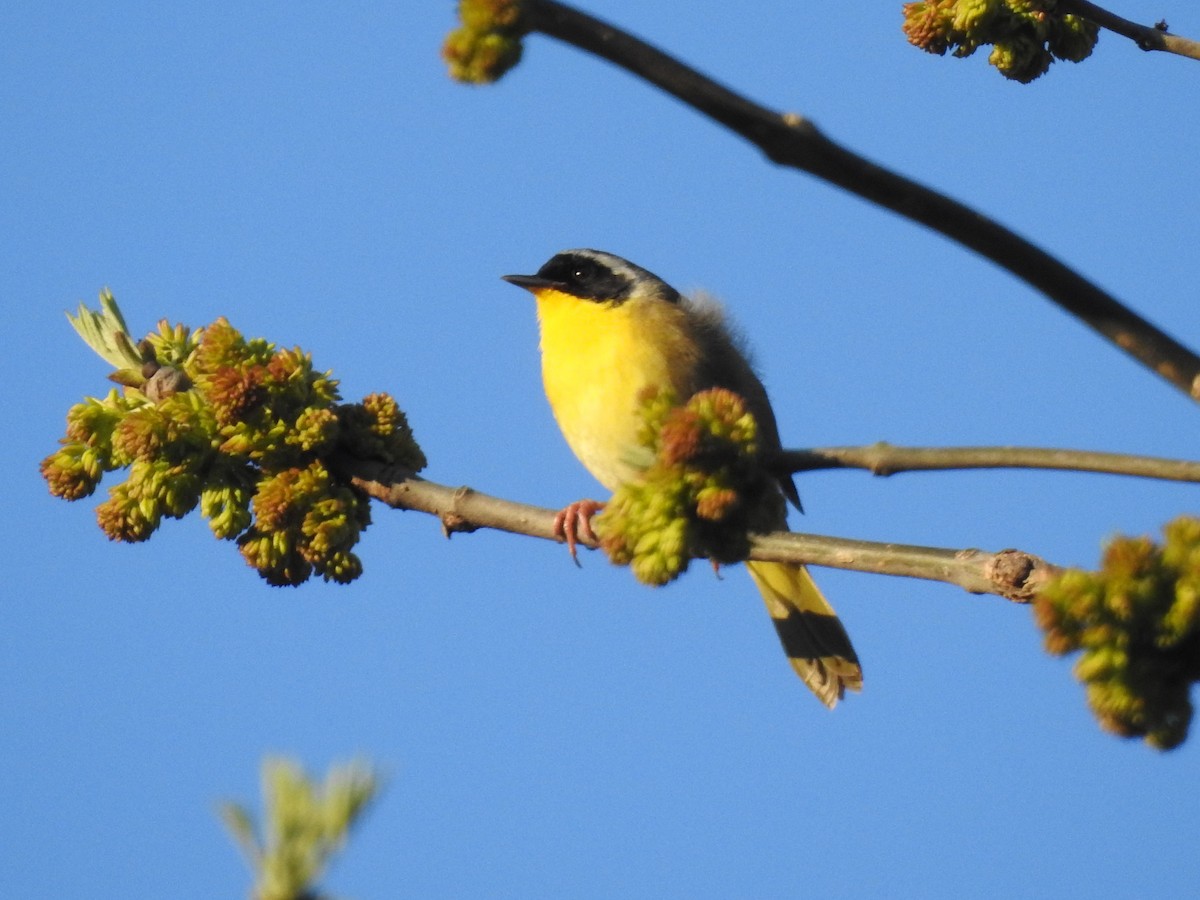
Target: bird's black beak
529, 282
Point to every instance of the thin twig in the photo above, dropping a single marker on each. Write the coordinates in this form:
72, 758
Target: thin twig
794, 141
1009, 573
885, 459
1145, 36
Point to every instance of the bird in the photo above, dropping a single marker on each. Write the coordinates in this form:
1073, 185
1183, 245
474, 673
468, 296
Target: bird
610, 330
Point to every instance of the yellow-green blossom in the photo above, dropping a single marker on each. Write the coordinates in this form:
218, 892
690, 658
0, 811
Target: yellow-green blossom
1136, 624
241, 428
1026, 35
701, 494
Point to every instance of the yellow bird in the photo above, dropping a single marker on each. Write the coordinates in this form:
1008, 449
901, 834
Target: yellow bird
610, 329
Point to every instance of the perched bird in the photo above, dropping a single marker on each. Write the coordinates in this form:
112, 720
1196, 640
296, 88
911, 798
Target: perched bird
609, 330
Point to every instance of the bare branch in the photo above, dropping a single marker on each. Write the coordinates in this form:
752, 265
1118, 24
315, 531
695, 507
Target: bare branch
1009, 573
1013, 574
794, 141
885, 459
1145, 36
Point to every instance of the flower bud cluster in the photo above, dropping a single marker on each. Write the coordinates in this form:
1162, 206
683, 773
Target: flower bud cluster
702, 494
243, 430
1136, 623
487, 44
1026, 35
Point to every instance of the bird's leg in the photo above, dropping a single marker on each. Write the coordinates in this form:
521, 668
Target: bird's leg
576, 520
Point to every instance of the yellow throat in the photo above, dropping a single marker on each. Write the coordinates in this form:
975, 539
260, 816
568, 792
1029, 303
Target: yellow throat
597, 357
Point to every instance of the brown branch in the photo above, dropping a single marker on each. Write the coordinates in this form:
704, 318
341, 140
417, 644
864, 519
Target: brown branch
1145, 36
794, 141
1013, 574
885, 459
1009, 573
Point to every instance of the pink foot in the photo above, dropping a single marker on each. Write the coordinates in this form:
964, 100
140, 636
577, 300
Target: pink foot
575, 521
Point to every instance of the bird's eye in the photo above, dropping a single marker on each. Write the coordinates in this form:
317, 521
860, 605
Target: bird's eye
585, 278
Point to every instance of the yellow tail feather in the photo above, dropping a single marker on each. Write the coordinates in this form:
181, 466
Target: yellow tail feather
811, 633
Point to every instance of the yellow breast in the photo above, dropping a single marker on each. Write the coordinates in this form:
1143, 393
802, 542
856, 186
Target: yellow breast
596, 360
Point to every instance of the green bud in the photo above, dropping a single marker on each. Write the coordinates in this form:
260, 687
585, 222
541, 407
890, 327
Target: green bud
72, 472
227, 509
1138, 621
315, 430
489, 42
930, 26
1105, 662
1020, 57
340, 566
124, 516
1074, 38
1182, 620
971, 17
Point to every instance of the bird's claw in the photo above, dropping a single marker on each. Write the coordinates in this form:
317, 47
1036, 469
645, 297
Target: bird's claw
574, 522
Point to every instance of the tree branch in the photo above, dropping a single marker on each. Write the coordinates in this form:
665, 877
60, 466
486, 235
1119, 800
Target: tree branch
794, 141
1145, 36
885, 459
1010, 573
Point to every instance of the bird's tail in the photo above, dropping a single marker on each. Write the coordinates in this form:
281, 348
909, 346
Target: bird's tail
811, 633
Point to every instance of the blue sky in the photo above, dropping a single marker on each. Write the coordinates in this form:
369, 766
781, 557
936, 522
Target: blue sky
309, 171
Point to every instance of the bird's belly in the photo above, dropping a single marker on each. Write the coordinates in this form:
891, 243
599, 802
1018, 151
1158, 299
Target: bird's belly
601, 424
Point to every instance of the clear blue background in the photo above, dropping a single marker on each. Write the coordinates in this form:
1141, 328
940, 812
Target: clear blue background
309, 171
